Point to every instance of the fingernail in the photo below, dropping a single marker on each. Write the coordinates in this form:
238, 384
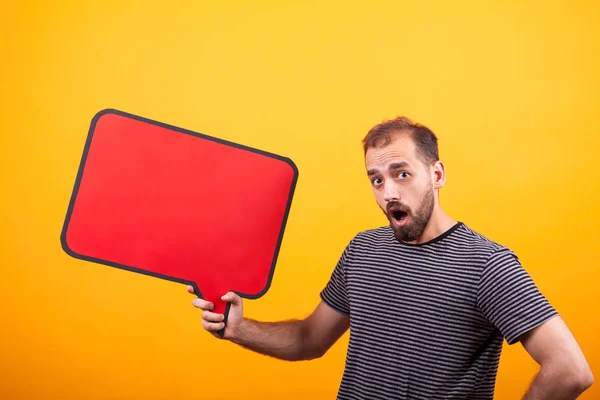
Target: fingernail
212, 306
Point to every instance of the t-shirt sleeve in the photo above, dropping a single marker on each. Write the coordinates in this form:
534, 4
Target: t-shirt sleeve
509, 298
334, 293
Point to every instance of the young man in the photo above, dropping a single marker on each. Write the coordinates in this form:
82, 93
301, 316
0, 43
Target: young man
428, 300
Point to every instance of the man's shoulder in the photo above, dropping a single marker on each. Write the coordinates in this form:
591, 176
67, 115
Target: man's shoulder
373, 236
480, 242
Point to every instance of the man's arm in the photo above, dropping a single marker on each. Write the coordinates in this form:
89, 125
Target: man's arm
294, 340
291, 340
509, 299
564, 372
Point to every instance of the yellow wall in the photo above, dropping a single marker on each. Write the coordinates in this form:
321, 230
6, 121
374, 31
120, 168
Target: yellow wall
512, 90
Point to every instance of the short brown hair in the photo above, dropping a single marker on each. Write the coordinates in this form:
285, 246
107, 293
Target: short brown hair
383, 133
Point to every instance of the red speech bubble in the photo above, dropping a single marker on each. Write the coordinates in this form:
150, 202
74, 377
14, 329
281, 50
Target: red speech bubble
179, 205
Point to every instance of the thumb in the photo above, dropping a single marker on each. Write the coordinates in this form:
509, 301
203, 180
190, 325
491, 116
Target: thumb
232, 298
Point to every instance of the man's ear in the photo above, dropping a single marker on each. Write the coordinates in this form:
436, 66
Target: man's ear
438, 171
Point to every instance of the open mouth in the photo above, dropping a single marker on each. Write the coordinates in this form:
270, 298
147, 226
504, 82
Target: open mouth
399, 217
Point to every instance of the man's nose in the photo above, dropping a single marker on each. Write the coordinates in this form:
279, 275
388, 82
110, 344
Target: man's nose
391, 193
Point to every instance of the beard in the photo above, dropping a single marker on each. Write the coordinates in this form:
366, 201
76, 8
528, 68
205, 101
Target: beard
419, 219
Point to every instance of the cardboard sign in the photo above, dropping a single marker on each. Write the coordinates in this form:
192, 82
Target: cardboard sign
179, 205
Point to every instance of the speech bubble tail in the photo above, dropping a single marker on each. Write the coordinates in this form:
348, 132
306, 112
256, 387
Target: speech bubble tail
219, 307
225, 315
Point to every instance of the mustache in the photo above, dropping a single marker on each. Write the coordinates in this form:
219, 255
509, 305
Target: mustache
396, 206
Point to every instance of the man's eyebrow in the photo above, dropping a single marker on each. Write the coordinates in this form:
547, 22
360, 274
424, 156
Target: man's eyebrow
393, 166
398, 165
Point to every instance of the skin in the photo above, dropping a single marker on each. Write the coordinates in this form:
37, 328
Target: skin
401, 179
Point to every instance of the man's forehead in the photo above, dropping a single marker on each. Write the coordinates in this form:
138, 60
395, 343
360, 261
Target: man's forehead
400, 149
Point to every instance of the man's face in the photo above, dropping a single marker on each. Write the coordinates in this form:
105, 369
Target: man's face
403, 186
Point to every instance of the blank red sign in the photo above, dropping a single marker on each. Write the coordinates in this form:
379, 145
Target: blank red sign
179, 205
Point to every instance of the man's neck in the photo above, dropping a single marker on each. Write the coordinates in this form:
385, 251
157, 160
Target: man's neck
439, 223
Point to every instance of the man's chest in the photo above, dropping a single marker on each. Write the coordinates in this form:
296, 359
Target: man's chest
431, 295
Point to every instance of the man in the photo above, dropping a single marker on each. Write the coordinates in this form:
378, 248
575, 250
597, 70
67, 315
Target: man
428, 300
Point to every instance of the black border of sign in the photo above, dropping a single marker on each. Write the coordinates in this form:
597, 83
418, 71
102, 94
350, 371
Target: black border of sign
63, 236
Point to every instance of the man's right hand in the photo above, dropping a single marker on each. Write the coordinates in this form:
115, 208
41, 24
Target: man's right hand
291, 340
213, 322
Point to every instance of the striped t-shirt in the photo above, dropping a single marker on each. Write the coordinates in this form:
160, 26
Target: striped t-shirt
428, 321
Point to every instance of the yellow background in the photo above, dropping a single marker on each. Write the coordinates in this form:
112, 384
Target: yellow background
511, 89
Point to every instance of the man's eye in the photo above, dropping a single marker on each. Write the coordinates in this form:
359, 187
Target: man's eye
376, 181
403, 175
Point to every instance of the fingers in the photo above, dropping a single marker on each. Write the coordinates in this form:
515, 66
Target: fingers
212, 317
212, 322
203, 304
232, 298
190, 289
212, 327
